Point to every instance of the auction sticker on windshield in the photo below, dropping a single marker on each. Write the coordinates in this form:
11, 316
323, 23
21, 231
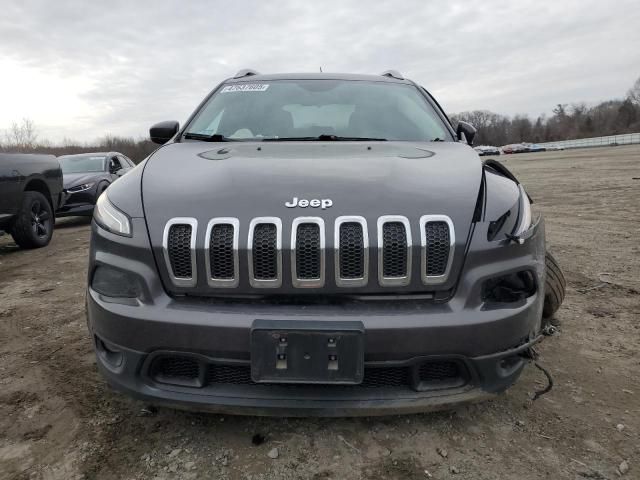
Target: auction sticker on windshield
245, 87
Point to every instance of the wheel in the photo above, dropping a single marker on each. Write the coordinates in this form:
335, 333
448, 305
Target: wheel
33, 227
554, 289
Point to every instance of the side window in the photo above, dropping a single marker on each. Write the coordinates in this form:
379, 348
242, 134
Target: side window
124, 161
114, 165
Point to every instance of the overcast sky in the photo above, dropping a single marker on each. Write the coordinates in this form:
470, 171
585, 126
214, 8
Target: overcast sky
84, 69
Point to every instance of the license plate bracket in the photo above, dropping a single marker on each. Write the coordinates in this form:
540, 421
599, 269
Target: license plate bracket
313, 352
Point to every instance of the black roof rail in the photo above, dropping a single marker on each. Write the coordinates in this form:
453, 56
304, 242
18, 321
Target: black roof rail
245, 72
393, 74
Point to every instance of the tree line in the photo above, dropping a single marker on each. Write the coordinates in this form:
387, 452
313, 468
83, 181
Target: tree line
22, 137
567, 122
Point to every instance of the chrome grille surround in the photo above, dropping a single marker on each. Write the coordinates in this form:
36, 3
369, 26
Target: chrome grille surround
307, 282
276, 282
351, 282
393, 281
435, 279
265, 283
181, 281
222, 282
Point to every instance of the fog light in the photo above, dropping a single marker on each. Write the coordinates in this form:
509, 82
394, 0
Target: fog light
112, 282
509, 288
111, 357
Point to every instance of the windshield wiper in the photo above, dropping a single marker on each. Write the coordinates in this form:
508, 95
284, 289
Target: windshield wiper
216, 137
325, 138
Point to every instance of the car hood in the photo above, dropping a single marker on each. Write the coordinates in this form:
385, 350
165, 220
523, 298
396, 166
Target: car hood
72, 179
369, 179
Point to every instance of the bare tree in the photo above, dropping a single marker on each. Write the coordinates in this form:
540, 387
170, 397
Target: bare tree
22, 136
634, 92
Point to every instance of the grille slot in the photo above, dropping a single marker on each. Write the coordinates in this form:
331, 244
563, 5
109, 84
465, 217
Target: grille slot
265, 253
394, 251
438, 240
307, 252
351, 251
179, 250
265, 256
437, 234
222, 252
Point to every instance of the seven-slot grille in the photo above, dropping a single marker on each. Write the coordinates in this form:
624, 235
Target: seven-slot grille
351, 244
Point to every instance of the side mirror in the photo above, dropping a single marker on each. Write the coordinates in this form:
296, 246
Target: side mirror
468, 130
162, 132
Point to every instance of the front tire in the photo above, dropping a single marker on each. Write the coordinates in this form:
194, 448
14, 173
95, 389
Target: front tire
33, 227
554, 290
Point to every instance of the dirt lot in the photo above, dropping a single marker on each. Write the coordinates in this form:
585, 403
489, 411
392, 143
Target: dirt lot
58, 420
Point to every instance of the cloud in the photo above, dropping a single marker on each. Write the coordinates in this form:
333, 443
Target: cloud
84, 69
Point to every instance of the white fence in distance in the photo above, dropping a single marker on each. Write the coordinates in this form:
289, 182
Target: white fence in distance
609, 140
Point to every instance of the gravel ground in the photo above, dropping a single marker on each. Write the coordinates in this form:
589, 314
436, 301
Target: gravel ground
58, 420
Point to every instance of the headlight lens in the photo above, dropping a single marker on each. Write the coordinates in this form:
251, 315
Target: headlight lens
110, 218
524, 220
81, 188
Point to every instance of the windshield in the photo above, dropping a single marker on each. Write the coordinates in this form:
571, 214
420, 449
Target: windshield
306, 109
82, 164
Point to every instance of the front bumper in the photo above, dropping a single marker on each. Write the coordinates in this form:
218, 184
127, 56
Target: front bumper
485, 341
79, 203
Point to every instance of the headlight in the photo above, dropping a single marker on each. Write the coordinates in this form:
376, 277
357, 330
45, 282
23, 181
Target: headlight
524, 215
81, 188
110, 218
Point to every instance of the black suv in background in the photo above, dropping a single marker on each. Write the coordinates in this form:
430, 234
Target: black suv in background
30, 193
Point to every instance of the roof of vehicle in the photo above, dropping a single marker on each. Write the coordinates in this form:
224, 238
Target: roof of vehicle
94, 154
316, 76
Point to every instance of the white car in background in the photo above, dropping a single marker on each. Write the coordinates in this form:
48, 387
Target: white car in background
483, 150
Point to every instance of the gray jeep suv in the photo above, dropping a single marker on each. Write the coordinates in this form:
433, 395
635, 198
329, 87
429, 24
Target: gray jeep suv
317, 244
